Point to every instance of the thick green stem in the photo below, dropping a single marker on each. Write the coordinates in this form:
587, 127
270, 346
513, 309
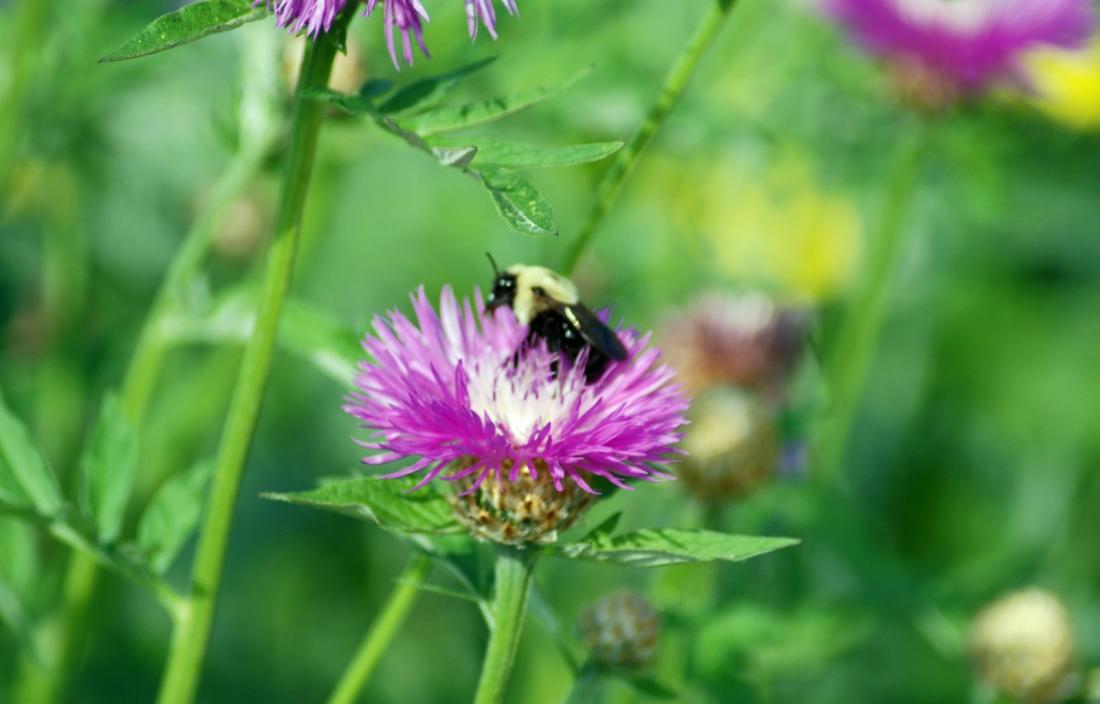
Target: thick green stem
196, 618
378, 638
858, 338
627, 158
513, 585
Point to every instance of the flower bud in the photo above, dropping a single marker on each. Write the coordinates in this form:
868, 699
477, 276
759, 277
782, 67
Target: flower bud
527, 510
621, 631
1022, 645
732, 445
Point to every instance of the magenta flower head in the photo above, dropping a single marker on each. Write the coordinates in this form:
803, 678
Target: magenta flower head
462, 395
403, 17
961, 47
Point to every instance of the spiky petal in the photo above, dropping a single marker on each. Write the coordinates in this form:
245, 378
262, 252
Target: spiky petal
485, 11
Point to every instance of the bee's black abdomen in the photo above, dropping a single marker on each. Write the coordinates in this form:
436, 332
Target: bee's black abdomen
561, 336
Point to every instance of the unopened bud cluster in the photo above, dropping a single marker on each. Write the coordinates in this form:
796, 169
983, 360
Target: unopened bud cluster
1022, 645
525, 511
621, 631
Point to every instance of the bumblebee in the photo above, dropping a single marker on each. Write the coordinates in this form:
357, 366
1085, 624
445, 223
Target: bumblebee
548, 304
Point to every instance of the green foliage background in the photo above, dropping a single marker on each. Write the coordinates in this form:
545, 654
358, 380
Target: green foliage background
975, 464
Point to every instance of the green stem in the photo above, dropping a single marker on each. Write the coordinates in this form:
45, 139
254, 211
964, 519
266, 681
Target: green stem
192, 630
675, 83
513, 585
587, 687
378, 638
858, 338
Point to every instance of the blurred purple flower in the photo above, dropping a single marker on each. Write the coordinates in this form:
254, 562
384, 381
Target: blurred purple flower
486, 12
451, 392
743, 339
967, 43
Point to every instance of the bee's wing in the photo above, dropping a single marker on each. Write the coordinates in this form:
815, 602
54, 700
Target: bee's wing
594, 331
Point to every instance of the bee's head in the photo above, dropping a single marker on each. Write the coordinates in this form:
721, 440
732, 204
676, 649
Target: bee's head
504, 291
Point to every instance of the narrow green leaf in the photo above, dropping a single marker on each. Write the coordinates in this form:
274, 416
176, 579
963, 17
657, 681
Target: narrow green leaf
653, 548
358, 105
172, 516
108, 468
450, 118
518, 202
517, 155
24, 477
650, 687
387, 502
426, 92
187, 24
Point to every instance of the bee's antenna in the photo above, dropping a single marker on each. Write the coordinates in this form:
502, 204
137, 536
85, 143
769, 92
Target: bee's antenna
493, 262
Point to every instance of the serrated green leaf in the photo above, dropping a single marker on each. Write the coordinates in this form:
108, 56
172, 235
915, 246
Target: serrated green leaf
107, 468
426, 92
187, 24
451, 118
518, 202
653, 548
24, 477
386, 502
172, 516
517, 155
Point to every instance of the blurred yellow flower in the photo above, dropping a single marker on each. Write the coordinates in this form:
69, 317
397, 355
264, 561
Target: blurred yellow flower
1068, 84
783, 231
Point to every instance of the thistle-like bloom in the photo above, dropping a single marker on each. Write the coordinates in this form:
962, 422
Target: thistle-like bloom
740, 339
462, 395
406, 17
400, 17
313, 16
961, 47
485, 11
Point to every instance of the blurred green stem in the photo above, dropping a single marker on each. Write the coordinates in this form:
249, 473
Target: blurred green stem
588, 687
192, 629
378, 638
44, 683
29, 18
857, 340
627, 158
510, 591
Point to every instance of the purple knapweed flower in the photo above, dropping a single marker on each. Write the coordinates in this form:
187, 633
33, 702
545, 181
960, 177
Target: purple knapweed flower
486, 12
461, 394
404, 17
313, 16
961, 47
